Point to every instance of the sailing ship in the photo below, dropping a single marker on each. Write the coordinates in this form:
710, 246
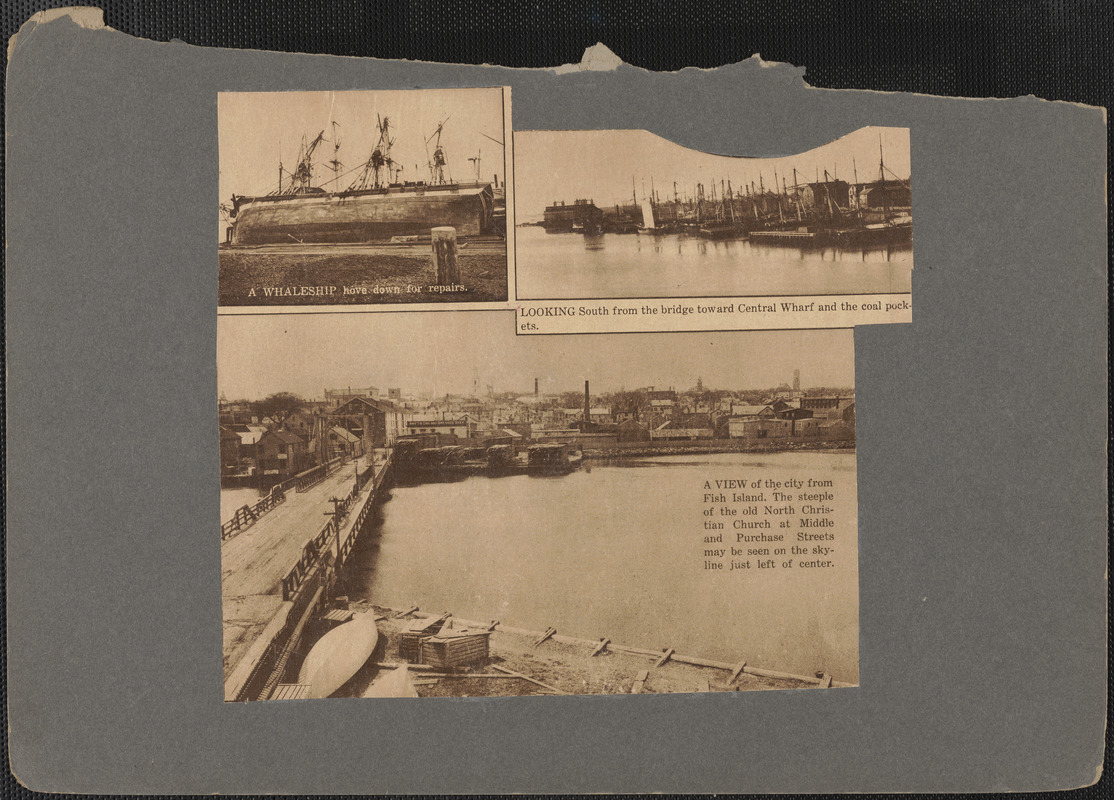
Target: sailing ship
825, 212
375, 207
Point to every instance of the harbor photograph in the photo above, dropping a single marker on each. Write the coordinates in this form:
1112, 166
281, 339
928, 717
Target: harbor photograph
628, 214
363, 197
418, 505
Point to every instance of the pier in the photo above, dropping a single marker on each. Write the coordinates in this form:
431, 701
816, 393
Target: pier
276, 571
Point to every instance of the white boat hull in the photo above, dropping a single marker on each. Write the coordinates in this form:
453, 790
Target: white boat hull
338, 655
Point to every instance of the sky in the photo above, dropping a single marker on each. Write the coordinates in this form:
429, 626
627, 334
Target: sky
601, 165
257, 129
444, 352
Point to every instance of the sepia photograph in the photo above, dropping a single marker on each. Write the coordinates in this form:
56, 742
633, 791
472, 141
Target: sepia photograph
628, 214
363, 197
417, 505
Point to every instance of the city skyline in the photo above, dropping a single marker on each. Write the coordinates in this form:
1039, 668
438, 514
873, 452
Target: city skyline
438, 354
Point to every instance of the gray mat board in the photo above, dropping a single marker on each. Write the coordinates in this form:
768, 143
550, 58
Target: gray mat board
981, 456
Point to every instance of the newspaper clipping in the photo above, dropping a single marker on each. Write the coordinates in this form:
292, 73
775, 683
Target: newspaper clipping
351, 198
446, 501
647, 235
441, 508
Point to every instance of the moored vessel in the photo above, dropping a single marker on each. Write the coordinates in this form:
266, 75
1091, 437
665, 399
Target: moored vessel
375, 207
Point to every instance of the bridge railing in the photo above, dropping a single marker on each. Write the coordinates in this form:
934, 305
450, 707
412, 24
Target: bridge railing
368, 474
248, 515
314, 475
321, 543
267, 670
310, 478
357, 526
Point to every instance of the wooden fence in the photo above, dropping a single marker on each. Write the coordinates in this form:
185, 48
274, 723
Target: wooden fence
315, 548
248, 515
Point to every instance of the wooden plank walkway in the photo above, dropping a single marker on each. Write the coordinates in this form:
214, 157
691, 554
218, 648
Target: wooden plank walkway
254, 562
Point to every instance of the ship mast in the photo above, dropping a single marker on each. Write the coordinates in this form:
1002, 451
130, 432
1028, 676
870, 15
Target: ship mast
780, 215
439, 163
302, 179
379, 159
796, 194
335, 163
855, 191
476, 163
882, 185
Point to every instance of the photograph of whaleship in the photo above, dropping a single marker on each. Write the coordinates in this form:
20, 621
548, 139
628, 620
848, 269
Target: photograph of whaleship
641, 216
336, 198
532, 514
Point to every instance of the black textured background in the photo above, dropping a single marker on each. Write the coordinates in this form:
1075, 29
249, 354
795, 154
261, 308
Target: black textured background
1054, 49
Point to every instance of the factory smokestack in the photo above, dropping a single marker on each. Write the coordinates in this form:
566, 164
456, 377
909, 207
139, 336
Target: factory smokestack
587, 407
535, 387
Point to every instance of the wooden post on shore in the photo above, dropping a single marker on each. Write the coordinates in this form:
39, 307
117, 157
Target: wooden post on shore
640, 681
444, 256
601, 647
548, 633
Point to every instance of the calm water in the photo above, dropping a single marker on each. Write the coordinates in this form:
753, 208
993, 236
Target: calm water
618, 552
232, 499
570, 265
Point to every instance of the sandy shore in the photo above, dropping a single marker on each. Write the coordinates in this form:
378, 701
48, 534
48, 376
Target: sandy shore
563, 664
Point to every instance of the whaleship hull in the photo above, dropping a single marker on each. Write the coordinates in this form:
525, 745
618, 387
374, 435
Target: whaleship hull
367, 216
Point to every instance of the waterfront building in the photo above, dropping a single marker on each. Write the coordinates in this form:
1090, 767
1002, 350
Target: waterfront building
282, 453
888, 194
818, 194
342, 442
748, 411
337, 397
229, 451
455, 427
563, 216
761, 428
669, 432
631, 431
378, 423
299, 422
829, 407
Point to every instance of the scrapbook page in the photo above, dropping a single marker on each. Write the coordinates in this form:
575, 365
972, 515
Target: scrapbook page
454, 501
566, 429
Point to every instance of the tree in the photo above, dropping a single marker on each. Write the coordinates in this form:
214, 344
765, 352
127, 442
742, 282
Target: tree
571, 400
277, 406
632, 403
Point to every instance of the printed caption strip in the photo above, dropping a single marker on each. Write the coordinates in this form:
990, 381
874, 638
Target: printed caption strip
702, 314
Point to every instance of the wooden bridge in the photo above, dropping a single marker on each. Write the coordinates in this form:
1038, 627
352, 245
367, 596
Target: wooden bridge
274, 570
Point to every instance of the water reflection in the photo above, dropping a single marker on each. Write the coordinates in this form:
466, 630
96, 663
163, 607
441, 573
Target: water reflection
563, 551
572, 265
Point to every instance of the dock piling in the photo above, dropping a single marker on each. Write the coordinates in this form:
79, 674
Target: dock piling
444, 255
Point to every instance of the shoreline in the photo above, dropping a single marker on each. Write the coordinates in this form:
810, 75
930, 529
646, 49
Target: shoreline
525, 662
641, 450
